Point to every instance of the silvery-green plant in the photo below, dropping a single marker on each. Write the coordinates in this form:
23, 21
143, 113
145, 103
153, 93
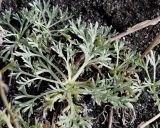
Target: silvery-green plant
150, 65
55, 53
42, 18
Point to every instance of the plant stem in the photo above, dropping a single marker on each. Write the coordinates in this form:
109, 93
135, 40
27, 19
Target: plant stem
110, 118
155, 42
135, 28
149, 121
6, 104
68, 69
54, 66
81, 69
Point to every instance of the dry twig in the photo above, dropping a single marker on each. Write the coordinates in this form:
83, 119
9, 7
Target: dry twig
6, 104
110, 118
149, 121
3, 96
140, 26
155, 42
135, 28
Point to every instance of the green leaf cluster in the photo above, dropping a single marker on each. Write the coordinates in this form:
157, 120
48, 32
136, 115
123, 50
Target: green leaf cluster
53, 52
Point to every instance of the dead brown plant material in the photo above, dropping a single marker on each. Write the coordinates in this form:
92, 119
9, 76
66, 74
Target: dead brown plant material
143, 125
6, 103
135, 28
155, 42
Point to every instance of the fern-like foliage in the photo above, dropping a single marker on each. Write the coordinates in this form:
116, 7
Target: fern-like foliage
54, 52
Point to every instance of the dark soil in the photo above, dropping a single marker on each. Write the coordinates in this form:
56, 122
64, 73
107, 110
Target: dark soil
121, 14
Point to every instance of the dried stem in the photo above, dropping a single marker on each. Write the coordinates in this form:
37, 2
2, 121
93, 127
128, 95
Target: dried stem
155, 41
110, 118
149, 121
3, 96
6, 104
135, 28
